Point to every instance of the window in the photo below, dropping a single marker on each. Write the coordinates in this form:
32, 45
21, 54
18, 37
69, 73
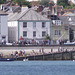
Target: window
43, 24
34, 24
43, 33
57, 32
57, 22
24, 24
24, 33
3, 37
34, 33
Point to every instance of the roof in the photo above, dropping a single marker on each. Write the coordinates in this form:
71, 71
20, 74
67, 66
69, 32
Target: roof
3, 13
28, 15
68, 14
67, 20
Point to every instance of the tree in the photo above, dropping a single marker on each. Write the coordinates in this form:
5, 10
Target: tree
47, 37
62, 2
22, 2
45, 2
1, 1
65, 4
27, 3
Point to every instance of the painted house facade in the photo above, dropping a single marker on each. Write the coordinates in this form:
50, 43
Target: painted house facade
28, 25
3, 26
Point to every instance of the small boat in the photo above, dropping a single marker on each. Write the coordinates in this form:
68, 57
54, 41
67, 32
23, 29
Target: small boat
25, 59
73, 60
6, 59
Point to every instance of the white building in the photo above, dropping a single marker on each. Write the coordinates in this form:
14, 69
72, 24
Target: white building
28, 24
3, 26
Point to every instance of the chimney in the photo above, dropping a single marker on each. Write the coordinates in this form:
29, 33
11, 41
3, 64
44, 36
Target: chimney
50, 6
40, 8
24, 9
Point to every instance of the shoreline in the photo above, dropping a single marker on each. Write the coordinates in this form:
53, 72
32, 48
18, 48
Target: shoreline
7, 51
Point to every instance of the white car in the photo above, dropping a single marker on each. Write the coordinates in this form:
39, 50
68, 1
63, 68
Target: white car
9, 44
69, 43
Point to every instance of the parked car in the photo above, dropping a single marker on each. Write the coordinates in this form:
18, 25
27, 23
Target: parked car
69, 43
9, 44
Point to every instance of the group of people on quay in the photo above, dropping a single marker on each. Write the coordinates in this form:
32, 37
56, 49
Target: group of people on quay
35, 42
40, 42
40, 51
18, 53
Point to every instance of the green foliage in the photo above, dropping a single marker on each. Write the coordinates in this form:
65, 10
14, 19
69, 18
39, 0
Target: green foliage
62, 2
69, 7
47, 37
2, 1
27, 3
20, 2
65, 4
44, 2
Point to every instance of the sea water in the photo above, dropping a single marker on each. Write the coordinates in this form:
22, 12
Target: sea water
37, 68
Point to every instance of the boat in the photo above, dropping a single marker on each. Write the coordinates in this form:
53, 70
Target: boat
73, 60
6, 59
25, 59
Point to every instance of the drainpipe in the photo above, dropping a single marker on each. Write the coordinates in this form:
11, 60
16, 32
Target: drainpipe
18, 30
50, 29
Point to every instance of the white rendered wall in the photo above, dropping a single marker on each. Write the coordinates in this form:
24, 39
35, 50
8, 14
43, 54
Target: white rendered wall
13, 31
4, 27
30, 29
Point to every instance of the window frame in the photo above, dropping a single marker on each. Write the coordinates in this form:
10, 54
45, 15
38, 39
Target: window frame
43, 24
34, 24
24, 33
43, 33
57, 32
34, 33
24, 24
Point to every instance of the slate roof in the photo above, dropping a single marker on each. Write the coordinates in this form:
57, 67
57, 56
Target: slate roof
68, 14
28, 15
67, 20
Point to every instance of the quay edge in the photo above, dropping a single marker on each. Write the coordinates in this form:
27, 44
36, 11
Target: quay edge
68, 55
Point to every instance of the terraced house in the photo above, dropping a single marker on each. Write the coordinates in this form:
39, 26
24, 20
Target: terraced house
29, 25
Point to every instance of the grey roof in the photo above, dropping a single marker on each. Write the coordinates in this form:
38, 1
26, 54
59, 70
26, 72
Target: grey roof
67, 20
69, 14
3, 13
28, 15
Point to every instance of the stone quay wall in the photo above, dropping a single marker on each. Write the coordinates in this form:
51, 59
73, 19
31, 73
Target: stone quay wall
41, 52
54, 56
